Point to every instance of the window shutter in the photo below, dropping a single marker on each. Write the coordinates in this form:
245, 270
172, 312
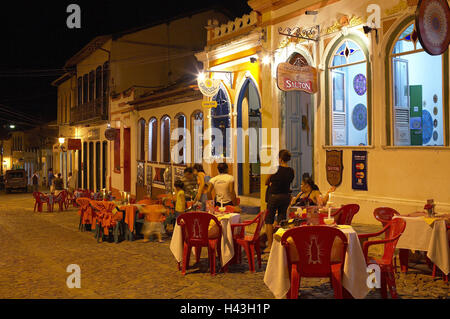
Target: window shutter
339, 129
339, 118
401, 102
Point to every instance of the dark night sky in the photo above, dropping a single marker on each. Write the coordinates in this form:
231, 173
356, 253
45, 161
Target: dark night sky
36, 43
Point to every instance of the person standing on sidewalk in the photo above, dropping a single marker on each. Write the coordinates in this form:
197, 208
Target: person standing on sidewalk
279, 195
35, 181
51, 177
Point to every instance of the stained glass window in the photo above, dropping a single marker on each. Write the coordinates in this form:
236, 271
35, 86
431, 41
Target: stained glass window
220, 119
349, 85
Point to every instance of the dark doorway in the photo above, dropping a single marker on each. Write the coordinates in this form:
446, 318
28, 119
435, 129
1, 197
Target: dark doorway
97, 166
104, 161
126, 160
91, 166
85, 158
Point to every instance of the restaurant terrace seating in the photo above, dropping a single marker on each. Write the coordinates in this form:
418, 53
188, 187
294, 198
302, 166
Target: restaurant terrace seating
346, 213
85, 212
194, 229
435, 268
393, 230
316, 260
40, 199
60, 199
384, 215
250, 243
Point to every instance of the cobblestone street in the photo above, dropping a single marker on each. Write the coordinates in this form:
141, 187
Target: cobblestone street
38, 247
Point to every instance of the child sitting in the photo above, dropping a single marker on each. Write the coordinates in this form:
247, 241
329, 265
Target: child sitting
153, 221
180, 206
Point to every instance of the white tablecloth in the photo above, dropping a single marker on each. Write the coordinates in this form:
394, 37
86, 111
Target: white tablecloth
226, 247
355, 268
419, 235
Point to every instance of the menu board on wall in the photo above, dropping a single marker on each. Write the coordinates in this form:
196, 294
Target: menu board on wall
359, 170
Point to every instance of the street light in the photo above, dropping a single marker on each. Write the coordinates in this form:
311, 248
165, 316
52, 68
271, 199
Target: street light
12, 126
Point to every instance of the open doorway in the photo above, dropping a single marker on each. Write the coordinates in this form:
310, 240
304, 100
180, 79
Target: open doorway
299, 128
249, 119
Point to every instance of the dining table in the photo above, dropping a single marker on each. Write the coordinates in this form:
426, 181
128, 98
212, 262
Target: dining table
131, 216
354, 278
226, 244
428, 234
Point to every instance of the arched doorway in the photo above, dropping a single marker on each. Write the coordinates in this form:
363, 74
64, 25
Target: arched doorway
299, 128
249, 119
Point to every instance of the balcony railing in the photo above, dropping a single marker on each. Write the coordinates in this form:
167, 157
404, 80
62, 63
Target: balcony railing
91, 111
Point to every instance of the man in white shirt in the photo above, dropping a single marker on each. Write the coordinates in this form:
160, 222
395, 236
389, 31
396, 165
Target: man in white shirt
223, 185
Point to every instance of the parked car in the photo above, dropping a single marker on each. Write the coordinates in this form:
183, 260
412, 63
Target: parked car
16, 180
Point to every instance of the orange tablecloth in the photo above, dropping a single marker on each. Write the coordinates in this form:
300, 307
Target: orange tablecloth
130, 215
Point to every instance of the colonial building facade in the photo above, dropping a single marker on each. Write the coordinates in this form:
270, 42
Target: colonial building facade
378, 91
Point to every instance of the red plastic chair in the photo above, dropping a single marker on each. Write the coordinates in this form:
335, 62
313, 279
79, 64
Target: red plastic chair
250, 243
194, 229
435, 267
314, 248
40, 199
393, 230
384, 215
85, 212
106, 220
60, 199
70, 200
345, 214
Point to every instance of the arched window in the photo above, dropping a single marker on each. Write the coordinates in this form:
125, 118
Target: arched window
141, 140
417, 92
181, 124
220, 119
349, 85
197, 136
165, 139
152, 140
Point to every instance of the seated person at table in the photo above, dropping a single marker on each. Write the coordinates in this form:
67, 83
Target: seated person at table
59, 184
310, 194
223, 185
153, 222
190, 184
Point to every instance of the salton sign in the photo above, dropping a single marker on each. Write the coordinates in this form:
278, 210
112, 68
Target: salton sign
296, 78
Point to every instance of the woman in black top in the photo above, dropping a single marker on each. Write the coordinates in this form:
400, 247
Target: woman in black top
279, 195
